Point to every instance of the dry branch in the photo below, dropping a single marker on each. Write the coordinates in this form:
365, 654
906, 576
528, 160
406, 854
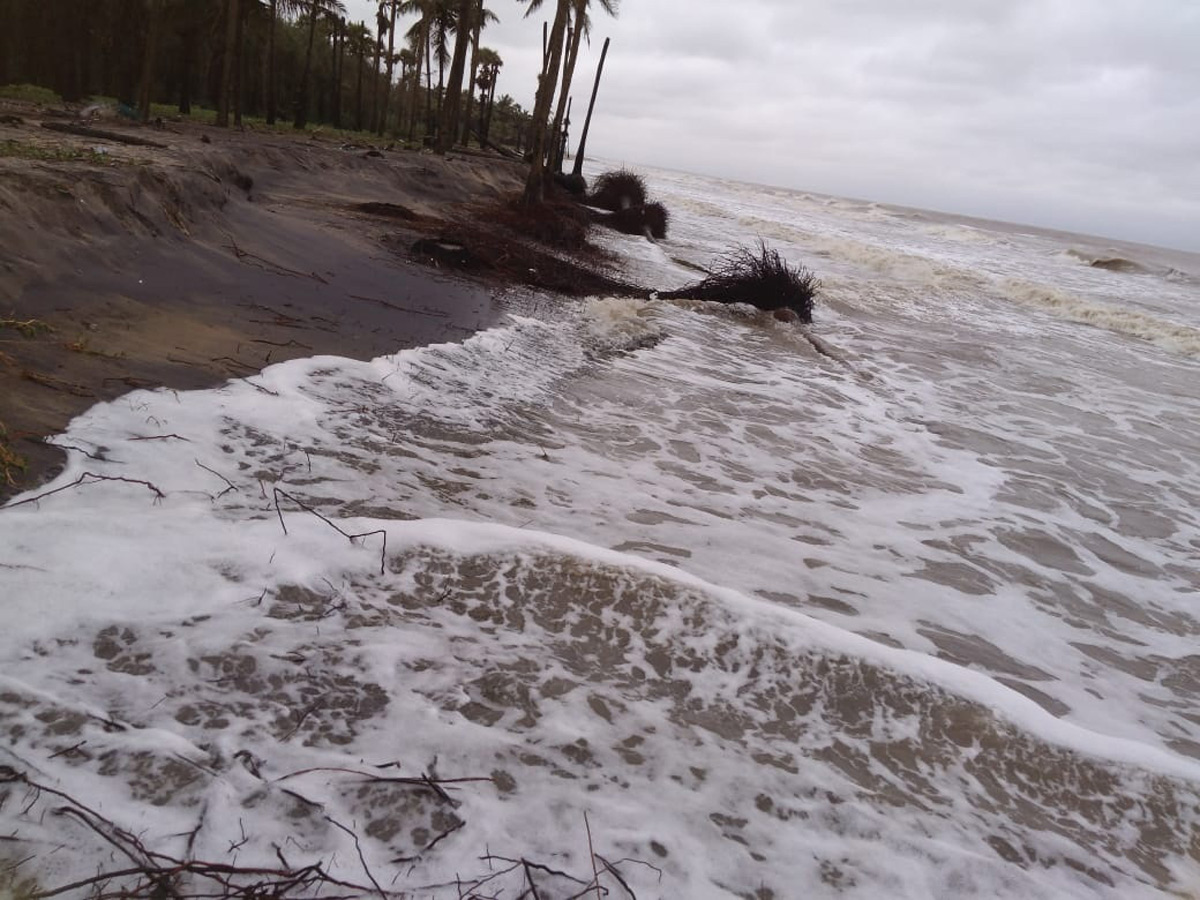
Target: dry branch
351, 537
102, 134
85, 479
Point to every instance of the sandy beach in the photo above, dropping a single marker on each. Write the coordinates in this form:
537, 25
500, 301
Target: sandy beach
211, 256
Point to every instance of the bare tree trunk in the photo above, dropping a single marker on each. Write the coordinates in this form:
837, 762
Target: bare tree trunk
535, 184
231, 19
587, 122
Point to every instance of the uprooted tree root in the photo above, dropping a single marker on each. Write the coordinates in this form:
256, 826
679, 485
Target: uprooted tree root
544, 246
618, 190
649, 219
763, 279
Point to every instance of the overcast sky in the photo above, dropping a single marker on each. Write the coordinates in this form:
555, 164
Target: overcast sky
1077, 114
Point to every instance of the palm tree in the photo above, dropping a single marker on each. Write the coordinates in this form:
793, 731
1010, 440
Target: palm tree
535, 187
448, 126
443, 23
315, 8
391, 64
408, 64
489, 71
149, 52
582, 28
418, 42
231, 22
276, 7
359, 38
480, 19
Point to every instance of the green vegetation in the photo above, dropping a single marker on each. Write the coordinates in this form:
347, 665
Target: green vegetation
30, 93
19, 150
279, 64
12, 464
29, 328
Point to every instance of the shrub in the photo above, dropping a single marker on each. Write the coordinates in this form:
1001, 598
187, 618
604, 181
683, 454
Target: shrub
30, 93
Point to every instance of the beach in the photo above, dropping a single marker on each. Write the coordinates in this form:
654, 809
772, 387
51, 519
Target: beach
666, 596
212, 255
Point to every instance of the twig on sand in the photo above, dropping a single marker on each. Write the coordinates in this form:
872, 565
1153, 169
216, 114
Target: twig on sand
160, 876
362, 859
232, 486
351, 537
85, 479
612, 870
264, 263
591, 852
435, 313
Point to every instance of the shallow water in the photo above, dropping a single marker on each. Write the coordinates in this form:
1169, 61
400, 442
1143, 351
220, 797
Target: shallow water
911, 616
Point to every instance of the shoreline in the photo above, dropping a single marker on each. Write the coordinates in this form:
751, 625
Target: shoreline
212, 256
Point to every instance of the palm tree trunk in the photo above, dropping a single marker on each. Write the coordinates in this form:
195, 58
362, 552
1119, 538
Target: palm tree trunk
478, 27
535, 184
380, 22
587, 122
239, 64
231, 17
272, 75
448, 128
491, 104
362, 61
391, 68
150, 51
568, 75
301, 118
428, 80
339, 47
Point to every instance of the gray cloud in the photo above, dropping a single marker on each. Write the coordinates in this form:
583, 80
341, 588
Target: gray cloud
1069, 113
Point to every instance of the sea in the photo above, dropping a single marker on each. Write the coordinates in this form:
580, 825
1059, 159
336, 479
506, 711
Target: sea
644, 598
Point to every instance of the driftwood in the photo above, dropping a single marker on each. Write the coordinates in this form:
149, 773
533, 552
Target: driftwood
503, 151
102, 134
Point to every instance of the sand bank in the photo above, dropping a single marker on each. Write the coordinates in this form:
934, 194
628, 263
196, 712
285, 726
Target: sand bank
211, 256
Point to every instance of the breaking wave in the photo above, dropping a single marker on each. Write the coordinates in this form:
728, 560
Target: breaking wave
1172, 336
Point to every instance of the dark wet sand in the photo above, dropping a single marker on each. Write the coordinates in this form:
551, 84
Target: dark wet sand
160, 269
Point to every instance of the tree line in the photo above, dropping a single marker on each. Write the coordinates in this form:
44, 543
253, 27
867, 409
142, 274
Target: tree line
305, 62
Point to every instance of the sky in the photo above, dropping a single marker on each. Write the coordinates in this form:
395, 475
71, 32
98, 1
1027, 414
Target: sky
1075, 114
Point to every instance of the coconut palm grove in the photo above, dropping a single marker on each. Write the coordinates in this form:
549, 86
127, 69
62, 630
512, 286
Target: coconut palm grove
418, 72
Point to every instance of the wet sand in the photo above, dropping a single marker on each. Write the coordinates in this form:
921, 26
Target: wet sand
210, 258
